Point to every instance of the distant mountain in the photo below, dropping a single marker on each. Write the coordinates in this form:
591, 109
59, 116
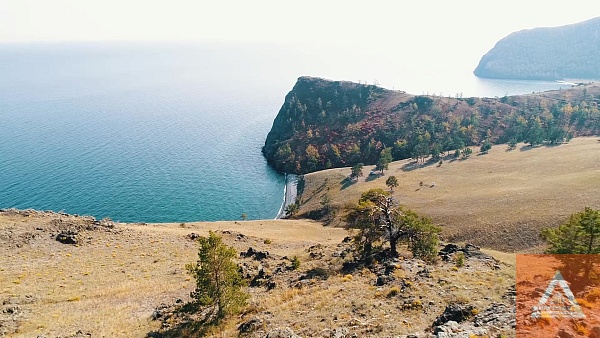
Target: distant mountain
551, 53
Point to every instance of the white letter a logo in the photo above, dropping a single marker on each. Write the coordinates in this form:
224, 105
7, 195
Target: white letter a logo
557, 304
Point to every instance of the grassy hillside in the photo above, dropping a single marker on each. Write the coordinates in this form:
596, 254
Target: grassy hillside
498, 200
114, 281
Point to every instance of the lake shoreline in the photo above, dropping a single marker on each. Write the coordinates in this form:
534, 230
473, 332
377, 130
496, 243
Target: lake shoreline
290, 193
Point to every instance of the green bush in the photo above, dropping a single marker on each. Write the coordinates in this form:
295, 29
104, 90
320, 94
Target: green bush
295, 263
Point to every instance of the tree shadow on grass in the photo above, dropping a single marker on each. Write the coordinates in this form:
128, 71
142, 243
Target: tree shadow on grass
410, 166
373, 177
552, 145
347, 182
414, 165
526, 147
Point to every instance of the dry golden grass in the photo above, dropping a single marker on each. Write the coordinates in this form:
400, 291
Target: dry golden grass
499, 200
353, 301
110, 285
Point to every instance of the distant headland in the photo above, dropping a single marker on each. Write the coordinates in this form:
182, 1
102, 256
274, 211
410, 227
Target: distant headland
331, 124
547, 53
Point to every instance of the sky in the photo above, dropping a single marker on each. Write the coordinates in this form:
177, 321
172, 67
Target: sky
403, 26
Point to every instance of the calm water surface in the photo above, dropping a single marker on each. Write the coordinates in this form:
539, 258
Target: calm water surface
172, 132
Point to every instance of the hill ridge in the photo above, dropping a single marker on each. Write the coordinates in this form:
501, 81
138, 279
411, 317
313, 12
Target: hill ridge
328, 124
546, 53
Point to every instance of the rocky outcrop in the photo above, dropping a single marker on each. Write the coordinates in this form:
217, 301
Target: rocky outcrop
470, 251
68, 237
251, 325
257, 255
461, 320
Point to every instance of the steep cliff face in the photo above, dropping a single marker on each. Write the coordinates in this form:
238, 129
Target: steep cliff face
566, 52
325, 124
312, 106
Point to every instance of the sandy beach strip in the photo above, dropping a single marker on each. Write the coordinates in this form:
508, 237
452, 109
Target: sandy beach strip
290, 193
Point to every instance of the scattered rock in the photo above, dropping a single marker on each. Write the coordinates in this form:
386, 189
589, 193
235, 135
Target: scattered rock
160, 312
497, 315
340, 332
349, 267
67, 237
383, 279
511, 295
315, 251
316, 273
301, 284
251, 325
284, 332
193, 236
455, 312
80, 334
270, 285
106, 223
257, 255
425, 273
470, 251
263, 279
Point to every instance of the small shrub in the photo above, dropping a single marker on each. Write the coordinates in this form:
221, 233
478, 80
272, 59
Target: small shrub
460, 259
295, 263
475, 311
268, 241
593, 295
580, 329
392, 292
584, 303
347, 278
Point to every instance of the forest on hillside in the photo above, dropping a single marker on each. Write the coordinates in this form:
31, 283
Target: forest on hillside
325, 124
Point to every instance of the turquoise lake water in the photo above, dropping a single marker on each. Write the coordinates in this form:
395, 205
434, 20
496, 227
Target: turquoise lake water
173, 132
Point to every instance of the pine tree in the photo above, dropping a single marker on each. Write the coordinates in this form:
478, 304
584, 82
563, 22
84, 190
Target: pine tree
377, 218
391, 182
579, 235
384, 160
219, 285
485, 147
357, 171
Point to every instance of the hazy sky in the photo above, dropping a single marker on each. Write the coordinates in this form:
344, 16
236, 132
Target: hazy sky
404, 25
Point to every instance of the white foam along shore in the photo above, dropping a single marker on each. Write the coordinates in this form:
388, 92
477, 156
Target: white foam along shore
290, 192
